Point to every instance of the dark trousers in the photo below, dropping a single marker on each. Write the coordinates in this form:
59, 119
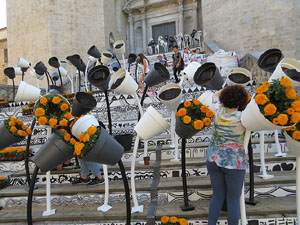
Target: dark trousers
226, 183
176, 72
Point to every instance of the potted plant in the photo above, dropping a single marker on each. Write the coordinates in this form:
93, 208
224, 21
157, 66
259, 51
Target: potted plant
173, 220
274, 106
12, 131
191, 117
83, 103
97, 145
4, 182
3, 104
52, 110
292, 137
82, 123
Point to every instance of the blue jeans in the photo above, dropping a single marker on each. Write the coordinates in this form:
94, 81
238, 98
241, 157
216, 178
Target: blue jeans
85, 166
226, 183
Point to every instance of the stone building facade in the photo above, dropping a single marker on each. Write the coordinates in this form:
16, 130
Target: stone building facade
3, 55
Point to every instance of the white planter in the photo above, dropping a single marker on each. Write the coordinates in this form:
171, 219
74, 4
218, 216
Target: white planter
206, 99
23, 63
27, 92
106, 59
289, 63
189, 71
119, 46
128, 85
292, 145
83, 124
239, 70
252, 119
171, 104
151, 124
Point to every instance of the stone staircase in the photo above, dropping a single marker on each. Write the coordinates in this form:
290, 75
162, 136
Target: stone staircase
159, 185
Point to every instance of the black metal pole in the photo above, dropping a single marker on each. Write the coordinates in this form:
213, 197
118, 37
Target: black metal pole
127, 193
142, 100
23, 73
61, 82
108, 112
250, 200
48, 81
27, 152
50, 77
14, 88
186, 206
129, 67
79, 80
135, 72
30, 194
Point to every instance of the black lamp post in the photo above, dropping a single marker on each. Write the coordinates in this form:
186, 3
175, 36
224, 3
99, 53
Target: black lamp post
78, 64
41, 69
54, 62
10, 72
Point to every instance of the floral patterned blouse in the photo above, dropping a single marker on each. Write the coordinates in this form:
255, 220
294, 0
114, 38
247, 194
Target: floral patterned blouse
226, 147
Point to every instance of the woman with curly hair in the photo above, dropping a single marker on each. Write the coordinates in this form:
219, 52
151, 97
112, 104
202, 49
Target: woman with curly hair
226, 157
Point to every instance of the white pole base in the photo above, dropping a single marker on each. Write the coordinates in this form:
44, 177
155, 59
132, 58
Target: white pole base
49, 212
104, 208
141, 162
280, 155
175, 160
137, 209
266, 176
172, 146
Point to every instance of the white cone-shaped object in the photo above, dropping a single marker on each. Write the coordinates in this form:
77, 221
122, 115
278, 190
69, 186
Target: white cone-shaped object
170, 95
18, 70
106, 57
189, 71
128, 85
119, 46
27, 92
151, 124
292, 145
83, 124
206, 99
23, 63
288, 63
63, 71
239, 72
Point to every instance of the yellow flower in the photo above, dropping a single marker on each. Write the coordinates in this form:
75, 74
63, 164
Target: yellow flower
261, 89
261, 99
56, 100
67, 137
290, 93
11, 123
296, 105
53, 122
290, 111
13, 119
207, 121
68, 116
286, 82
2, 178
63, 122
22, 133
187, 119
198, 125
293, 127
24, 127
73, 141
64, 107
78, 148
13, 129
86, 138
181, 112
296, 135
204, 108
43, 101
295, 117
282, 119
39, 112
209, 114
249, 98
183, 221
187, 104
42, 120
267, 83
81, 135
196, 101
275, 121
91, 130
19, 122
164, 219
270, 109
173, 219
28, 131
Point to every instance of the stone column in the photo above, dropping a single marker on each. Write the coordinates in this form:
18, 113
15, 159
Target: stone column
180, 15
143, 16
195, 14
131, 32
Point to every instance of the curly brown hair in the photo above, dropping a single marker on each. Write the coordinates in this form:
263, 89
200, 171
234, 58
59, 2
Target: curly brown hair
234, 96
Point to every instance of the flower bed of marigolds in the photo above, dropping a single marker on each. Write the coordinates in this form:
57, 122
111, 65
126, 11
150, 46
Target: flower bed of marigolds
4, 182
173, 220
28, 110
13, 154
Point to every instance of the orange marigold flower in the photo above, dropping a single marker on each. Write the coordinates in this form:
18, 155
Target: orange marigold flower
91, 130
270, 109
204, 108
282, 119
296, 105
73, 141
173, 219
196, 102
42, 120
293, 127
183, 221
187, 119
13, 119
56, 100
290, 111
249, 98
181, 112
86, 138
39, 112
19, 122
275, 121
198, 124
22, 133
68, 116
261, 89
261, 99
78, 148
53, 122
187, 104
11, 123
295, 117
267, 83
28, 131
64, 107
296, 135
286, 82
290, 93
67, 137
2, 178
165, 219
81, 135
63, 122
13, 129
43, 101
24, 127
209, 114
207, 121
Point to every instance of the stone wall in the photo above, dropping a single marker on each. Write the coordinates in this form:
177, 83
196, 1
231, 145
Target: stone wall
3, 55
253, 26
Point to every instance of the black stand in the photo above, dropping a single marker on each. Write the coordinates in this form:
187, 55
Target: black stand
13, 81
61, 82
186, 206
30, 194
79, 88
135, 73
108, 112
23, 73
27, 152
142, 100
250, 200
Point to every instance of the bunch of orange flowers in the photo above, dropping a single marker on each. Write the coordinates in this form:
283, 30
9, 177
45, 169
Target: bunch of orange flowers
294, 131
52, 110
278, 102
195, 114
17, 127
166, 220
